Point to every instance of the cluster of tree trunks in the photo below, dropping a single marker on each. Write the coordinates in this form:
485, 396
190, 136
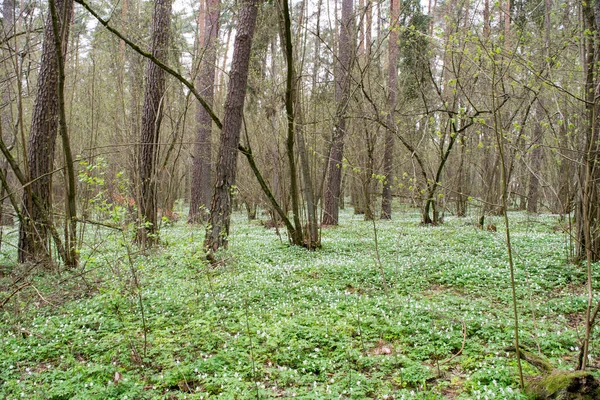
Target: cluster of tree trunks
453, 120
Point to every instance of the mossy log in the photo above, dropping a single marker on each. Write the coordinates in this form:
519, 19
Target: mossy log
558, 384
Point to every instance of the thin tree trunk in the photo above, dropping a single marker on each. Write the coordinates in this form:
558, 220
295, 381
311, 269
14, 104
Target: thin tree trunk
536, 161
369, 22
486, 19
290, 104
388, 157
151, 119
201, 173
220, 217
225, 54
461, 196
71, 193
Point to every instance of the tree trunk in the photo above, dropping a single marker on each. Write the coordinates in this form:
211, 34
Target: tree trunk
342, 89
6, 218
33, 234
151, 119
536, 161
461, 196
486, 19
201, 175
70, 191
291, 104
388, 157
588, 197
220, 217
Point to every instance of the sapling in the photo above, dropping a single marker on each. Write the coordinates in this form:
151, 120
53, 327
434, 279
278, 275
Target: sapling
504, 189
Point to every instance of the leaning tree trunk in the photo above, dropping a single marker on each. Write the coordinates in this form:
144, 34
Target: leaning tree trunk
34, 233
388, 157
220, 215
201, 176
342, 89
151, 118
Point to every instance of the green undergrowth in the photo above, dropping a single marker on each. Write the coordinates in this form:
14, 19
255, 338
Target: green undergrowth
273, 321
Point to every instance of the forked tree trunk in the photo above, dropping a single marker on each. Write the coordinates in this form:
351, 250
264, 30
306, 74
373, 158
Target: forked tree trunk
342, 89
151, 119
220, 215
201, 174
33, 234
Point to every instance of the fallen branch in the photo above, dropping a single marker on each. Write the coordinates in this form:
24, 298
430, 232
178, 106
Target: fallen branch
464, 330
14, 292
543, 365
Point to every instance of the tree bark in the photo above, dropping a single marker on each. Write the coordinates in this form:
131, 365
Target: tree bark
388, 157
151, 119
342, 89
71, 192
588, 198
291, 104
536, 161
33, 233
220, 216
8, 12
201, 168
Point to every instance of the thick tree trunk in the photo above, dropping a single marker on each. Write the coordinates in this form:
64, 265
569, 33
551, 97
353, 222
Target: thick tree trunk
334, 168
151, 119
388, 157
220, 216
33, 234
201, 173
588, 197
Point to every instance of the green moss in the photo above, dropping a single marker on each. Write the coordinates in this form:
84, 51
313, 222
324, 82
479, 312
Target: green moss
558, 381
565, 385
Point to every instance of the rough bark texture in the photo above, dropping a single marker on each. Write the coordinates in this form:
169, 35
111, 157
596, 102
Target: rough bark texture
388, 157
6, 218
33, 235
334, 168
151, 119
201, 173
220, 216
588, 198
290, 107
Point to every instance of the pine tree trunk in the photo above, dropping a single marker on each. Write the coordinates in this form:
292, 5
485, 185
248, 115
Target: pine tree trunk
33, 234
588, 198
8, 11
151, 119
388, 157
334, 168
220, 216
201, 173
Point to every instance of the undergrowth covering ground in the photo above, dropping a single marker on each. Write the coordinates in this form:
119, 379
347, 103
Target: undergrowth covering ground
273, 321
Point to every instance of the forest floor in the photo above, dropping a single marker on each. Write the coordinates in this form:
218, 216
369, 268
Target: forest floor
426, 314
